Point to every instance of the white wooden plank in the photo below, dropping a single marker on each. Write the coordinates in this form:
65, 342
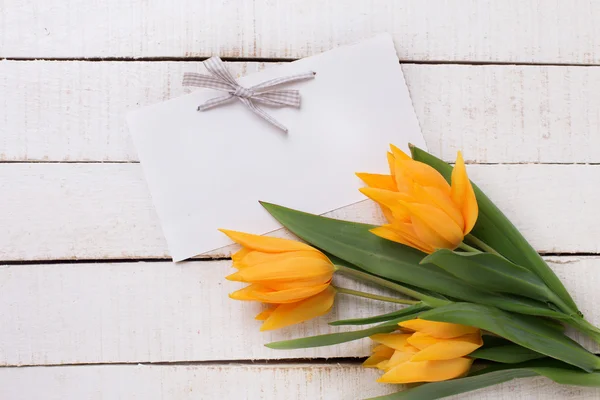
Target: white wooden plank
266, 382
161, 312
150, 312
74, 111
461, 30
103, 211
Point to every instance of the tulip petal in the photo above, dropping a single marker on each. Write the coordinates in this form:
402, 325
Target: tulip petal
422, 340
263, 315
427, 234
409, 172
437, 198
239, 256
382, 354
407, 231
391, 163
381, 348
389, 199
387, 213
293, 313
386, 232
463, 194
374, 361
434, 226
296, 283
408, 348
245, 294
447, 349
288, 269
398, 358
399, 154
389, 232
379, 181
382, 365
427, 371
266, 295
266, 243
253, 257
392, 340
440, 330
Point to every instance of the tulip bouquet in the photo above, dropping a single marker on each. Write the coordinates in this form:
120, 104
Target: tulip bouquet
477, 305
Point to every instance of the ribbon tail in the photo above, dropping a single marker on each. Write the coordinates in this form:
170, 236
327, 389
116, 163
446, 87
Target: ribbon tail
205, 81
280, 98
285, 79
217, 101
258, 111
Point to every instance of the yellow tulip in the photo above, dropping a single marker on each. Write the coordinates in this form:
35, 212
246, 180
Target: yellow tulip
422, 209
292, 277
431, 352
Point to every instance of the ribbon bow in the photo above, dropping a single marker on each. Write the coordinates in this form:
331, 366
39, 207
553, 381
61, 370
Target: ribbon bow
221, 79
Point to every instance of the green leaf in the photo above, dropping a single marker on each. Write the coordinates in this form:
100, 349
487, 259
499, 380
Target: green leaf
354, 243
438, 390
508, 354
525, 331
336, 338
384, 317
558, 372
491, 272
328, 339
496, 230
498, 349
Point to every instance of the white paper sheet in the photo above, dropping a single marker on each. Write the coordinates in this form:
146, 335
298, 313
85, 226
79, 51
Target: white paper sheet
207, 170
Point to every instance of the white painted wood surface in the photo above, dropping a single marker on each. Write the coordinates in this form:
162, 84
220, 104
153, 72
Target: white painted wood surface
103, 211
148, 312
459, 30
59, 120
159, 312
74, 111
268, 382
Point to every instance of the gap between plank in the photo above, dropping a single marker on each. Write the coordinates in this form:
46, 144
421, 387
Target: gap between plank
274, 60
108, 260
316, 362
282, 361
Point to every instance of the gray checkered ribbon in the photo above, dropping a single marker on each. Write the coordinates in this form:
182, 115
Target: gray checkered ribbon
221, 79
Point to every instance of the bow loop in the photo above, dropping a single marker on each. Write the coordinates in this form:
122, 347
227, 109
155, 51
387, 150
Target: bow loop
221, 79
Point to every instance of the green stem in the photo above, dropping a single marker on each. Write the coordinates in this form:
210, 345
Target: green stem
429, 300
482, 245
373, 296
468, 248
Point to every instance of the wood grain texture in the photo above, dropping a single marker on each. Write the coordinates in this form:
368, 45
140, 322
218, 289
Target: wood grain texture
104, 211
265, 382
147, 312
461, 30
75, 111
161, 312
71, 111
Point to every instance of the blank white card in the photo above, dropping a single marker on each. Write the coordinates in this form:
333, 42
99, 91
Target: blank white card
208, 170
